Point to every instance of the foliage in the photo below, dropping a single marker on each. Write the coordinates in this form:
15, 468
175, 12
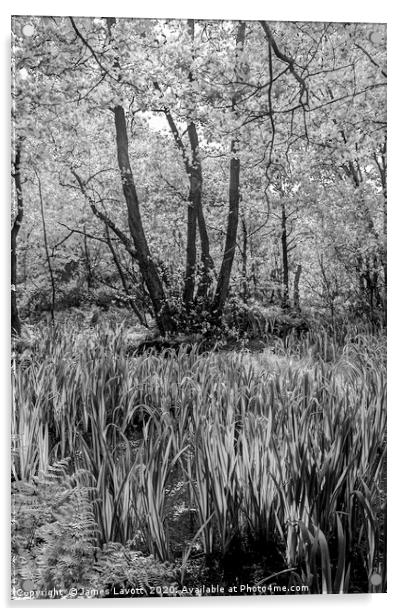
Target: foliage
283, 450
311, 143
54, 542
53, 529
120, 567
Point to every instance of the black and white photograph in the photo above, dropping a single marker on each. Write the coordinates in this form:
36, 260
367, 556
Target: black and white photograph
198, 307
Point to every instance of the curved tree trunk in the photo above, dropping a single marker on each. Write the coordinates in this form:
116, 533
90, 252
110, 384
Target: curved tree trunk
122, 276
147, 266
223, 282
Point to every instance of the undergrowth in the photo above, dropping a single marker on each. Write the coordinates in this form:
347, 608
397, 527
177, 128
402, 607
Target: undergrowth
179, 467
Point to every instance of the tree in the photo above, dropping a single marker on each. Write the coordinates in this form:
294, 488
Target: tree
223, 282
271, 141
15, 319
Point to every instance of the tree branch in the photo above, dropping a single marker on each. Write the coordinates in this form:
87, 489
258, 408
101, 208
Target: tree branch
105, 219
304, 93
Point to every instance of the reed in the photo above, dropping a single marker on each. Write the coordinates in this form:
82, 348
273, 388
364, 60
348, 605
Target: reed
288, 446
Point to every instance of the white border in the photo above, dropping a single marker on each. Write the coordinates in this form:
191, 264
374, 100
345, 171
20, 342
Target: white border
293, 10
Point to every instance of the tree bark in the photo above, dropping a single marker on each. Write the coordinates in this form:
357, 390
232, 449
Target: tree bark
196, 200
122, 276
194, 204
196, 177
296, 291
223, 282
126, 241
353, 170
15, 318
222, 288
194, 171
87, 256
196, 216
245, 289
147, 266
285, 258
46, 245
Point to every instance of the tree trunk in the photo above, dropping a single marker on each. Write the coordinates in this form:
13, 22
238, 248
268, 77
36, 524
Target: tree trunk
223, 282
222, 288
195, 210
122, 276
147, 266
46, 245
87, 256
285, 259
196, 200
296, 292
193, 170
194, 204
15, 318
244, 259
